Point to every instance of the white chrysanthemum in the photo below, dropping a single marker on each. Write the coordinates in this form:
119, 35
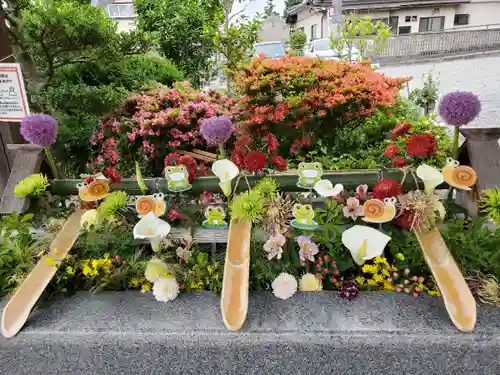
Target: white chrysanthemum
310, 283
89, 218
284, 286
165, 289
155, 269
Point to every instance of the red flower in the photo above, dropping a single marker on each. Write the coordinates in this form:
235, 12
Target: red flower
387, 188
405, 220
171, 159
242, 142
238, 158
278, 162
421, 145
174, 215
399, 162
113, 175
400, 130
190, 164
272, 143
89, 179
391, 151
255, 161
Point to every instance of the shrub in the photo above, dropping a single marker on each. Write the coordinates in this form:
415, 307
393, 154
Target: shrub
81, 94
148, 127
298, 41
304, 100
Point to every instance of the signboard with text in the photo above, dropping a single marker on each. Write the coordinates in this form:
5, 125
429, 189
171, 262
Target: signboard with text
13, 100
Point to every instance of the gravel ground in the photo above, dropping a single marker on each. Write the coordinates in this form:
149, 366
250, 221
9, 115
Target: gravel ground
480, 75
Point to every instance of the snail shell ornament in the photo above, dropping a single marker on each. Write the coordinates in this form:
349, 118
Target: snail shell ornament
377, 211
459, 176
151, 203
93, 191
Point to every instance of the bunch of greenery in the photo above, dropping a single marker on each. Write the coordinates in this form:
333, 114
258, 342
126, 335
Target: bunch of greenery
427, 96
298, 40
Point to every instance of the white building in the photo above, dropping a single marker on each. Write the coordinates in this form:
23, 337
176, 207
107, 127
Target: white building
274, 28
121, 11
404, 17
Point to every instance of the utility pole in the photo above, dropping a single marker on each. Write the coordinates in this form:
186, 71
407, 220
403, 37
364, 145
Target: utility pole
335, 17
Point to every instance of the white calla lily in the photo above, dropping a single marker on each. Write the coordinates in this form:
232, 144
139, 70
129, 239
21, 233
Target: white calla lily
153, 229
326, 189
431, 177
364, 243
227, 171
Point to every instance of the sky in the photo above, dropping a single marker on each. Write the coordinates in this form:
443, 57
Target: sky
257, 6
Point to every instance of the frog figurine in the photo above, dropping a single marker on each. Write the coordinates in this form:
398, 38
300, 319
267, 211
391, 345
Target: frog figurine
303, 217
215, 217
178, 178
309, 174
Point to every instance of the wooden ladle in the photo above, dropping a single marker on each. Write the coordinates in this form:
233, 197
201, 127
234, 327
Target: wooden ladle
17, 310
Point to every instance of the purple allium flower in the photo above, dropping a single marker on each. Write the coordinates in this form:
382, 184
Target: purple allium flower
459, 108
216, 130
39, 129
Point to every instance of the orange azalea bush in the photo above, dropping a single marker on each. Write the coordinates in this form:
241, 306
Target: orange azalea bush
301, 99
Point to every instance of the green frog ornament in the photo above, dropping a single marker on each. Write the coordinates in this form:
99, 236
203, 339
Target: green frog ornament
309, 174
215, 216
178, 178
303, 217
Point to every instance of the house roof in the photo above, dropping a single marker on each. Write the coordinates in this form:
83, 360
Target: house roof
374, 4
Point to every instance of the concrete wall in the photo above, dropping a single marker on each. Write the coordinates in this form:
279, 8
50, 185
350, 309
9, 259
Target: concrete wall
125, 24
274, 28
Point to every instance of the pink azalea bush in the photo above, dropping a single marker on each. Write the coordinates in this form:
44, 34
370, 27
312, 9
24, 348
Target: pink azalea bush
150, 126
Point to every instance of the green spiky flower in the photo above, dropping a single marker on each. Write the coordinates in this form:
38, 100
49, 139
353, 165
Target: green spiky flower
248, 206
268, 187
490, 204
33, 185
113, 202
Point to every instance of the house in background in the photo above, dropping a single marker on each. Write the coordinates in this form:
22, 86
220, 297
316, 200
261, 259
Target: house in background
404, 17
274, 28
121, 11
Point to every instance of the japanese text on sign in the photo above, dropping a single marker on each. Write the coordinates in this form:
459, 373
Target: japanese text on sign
13, 100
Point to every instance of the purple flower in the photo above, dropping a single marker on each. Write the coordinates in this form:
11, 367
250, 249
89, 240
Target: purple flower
459, 108
39, 129
308, 249
216, 130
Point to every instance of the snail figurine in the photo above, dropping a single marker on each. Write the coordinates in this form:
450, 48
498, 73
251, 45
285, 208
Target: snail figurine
377, 211
93, 189
151, 203
459, 176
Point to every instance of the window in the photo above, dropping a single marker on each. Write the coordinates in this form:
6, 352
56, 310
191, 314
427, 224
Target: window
121, 10
431, 24
408, 19
404, 30
461, 19
314, 32
414, 18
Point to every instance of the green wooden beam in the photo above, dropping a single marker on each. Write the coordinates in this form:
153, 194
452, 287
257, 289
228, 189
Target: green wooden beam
288, 182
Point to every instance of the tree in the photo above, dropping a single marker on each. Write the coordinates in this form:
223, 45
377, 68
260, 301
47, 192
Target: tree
290, 4
235, 42
269, 9
368, 36
50, 34
183, 30
298, 41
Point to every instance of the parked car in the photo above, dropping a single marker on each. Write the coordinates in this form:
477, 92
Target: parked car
321, 48
270, 49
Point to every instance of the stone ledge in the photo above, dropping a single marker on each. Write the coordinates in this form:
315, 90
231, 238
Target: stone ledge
314, 333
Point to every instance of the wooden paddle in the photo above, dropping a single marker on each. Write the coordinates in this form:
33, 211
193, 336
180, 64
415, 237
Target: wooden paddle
456, 294
234, 298
16, 312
